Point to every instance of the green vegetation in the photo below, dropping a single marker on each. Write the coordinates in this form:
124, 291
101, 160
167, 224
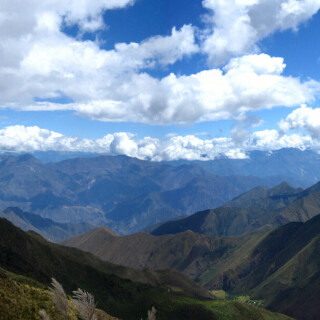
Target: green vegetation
22, 298
220, 294
282, 270
32, 257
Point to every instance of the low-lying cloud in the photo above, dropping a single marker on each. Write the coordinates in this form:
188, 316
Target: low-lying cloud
190, 147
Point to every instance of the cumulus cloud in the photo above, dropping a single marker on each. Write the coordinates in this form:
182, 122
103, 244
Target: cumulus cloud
273, 140
236, 26
38, 61
191, 147
29, 139
303, 118
249, 83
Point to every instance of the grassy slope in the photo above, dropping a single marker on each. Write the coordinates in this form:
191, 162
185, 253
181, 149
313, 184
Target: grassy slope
283, 269
22, 298
30, 255
196, 255
239, 221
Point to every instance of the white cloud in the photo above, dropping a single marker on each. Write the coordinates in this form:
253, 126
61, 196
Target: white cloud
303, 118
248, 83
29, 139
236, 26
38, 60
273, 140
103, 91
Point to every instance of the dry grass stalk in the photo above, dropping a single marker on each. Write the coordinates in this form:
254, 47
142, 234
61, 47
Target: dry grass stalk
152, 314
85, 305
44, 315
59, 297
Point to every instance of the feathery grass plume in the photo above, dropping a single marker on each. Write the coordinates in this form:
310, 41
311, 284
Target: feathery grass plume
85, 305
59, 297
44, 315
152, 314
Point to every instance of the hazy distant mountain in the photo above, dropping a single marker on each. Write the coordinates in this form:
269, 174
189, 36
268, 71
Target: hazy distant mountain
299, 168
267, 198
200, 193
49, 229
123, 193
236, 221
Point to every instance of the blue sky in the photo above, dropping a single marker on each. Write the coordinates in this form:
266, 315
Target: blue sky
160, 80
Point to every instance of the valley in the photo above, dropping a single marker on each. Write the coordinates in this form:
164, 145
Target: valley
135, 232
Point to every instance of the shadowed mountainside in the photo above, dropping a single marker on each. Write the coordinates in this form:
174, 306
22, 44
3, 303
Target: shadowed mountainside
238, 221
280, 267
283, 269
30, 255
174, 295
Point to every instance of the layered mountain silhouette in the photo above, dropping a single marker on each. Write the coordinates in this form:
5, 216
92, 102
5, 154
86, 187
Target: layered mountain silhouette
126, 194
252, 212
189, 252
47, 228
280, 267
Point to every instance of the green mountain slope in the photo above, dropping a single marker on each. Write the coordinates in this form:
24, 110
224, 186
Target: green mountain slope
237, 221
30, 255
283, 269
22, 298
173, 295
188, 252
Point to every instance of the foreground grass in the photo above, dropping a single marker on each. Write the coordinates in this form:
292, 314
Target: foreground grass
21, 298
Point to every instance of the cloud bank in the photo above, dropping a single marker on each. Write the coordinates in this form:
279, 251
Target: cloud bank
191, 147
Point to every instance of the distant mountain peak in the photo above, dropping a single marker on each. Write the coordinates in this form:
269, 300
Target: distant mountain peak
105, 230
27, 157
282, 189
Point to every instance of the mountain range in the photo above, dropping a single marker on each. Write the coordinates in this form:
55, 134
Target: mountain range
126, 194
298, 167
249, 236
233, 249
260, 209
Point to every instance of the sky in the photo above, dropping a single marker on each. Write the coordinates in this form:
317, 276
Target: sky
160, 80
